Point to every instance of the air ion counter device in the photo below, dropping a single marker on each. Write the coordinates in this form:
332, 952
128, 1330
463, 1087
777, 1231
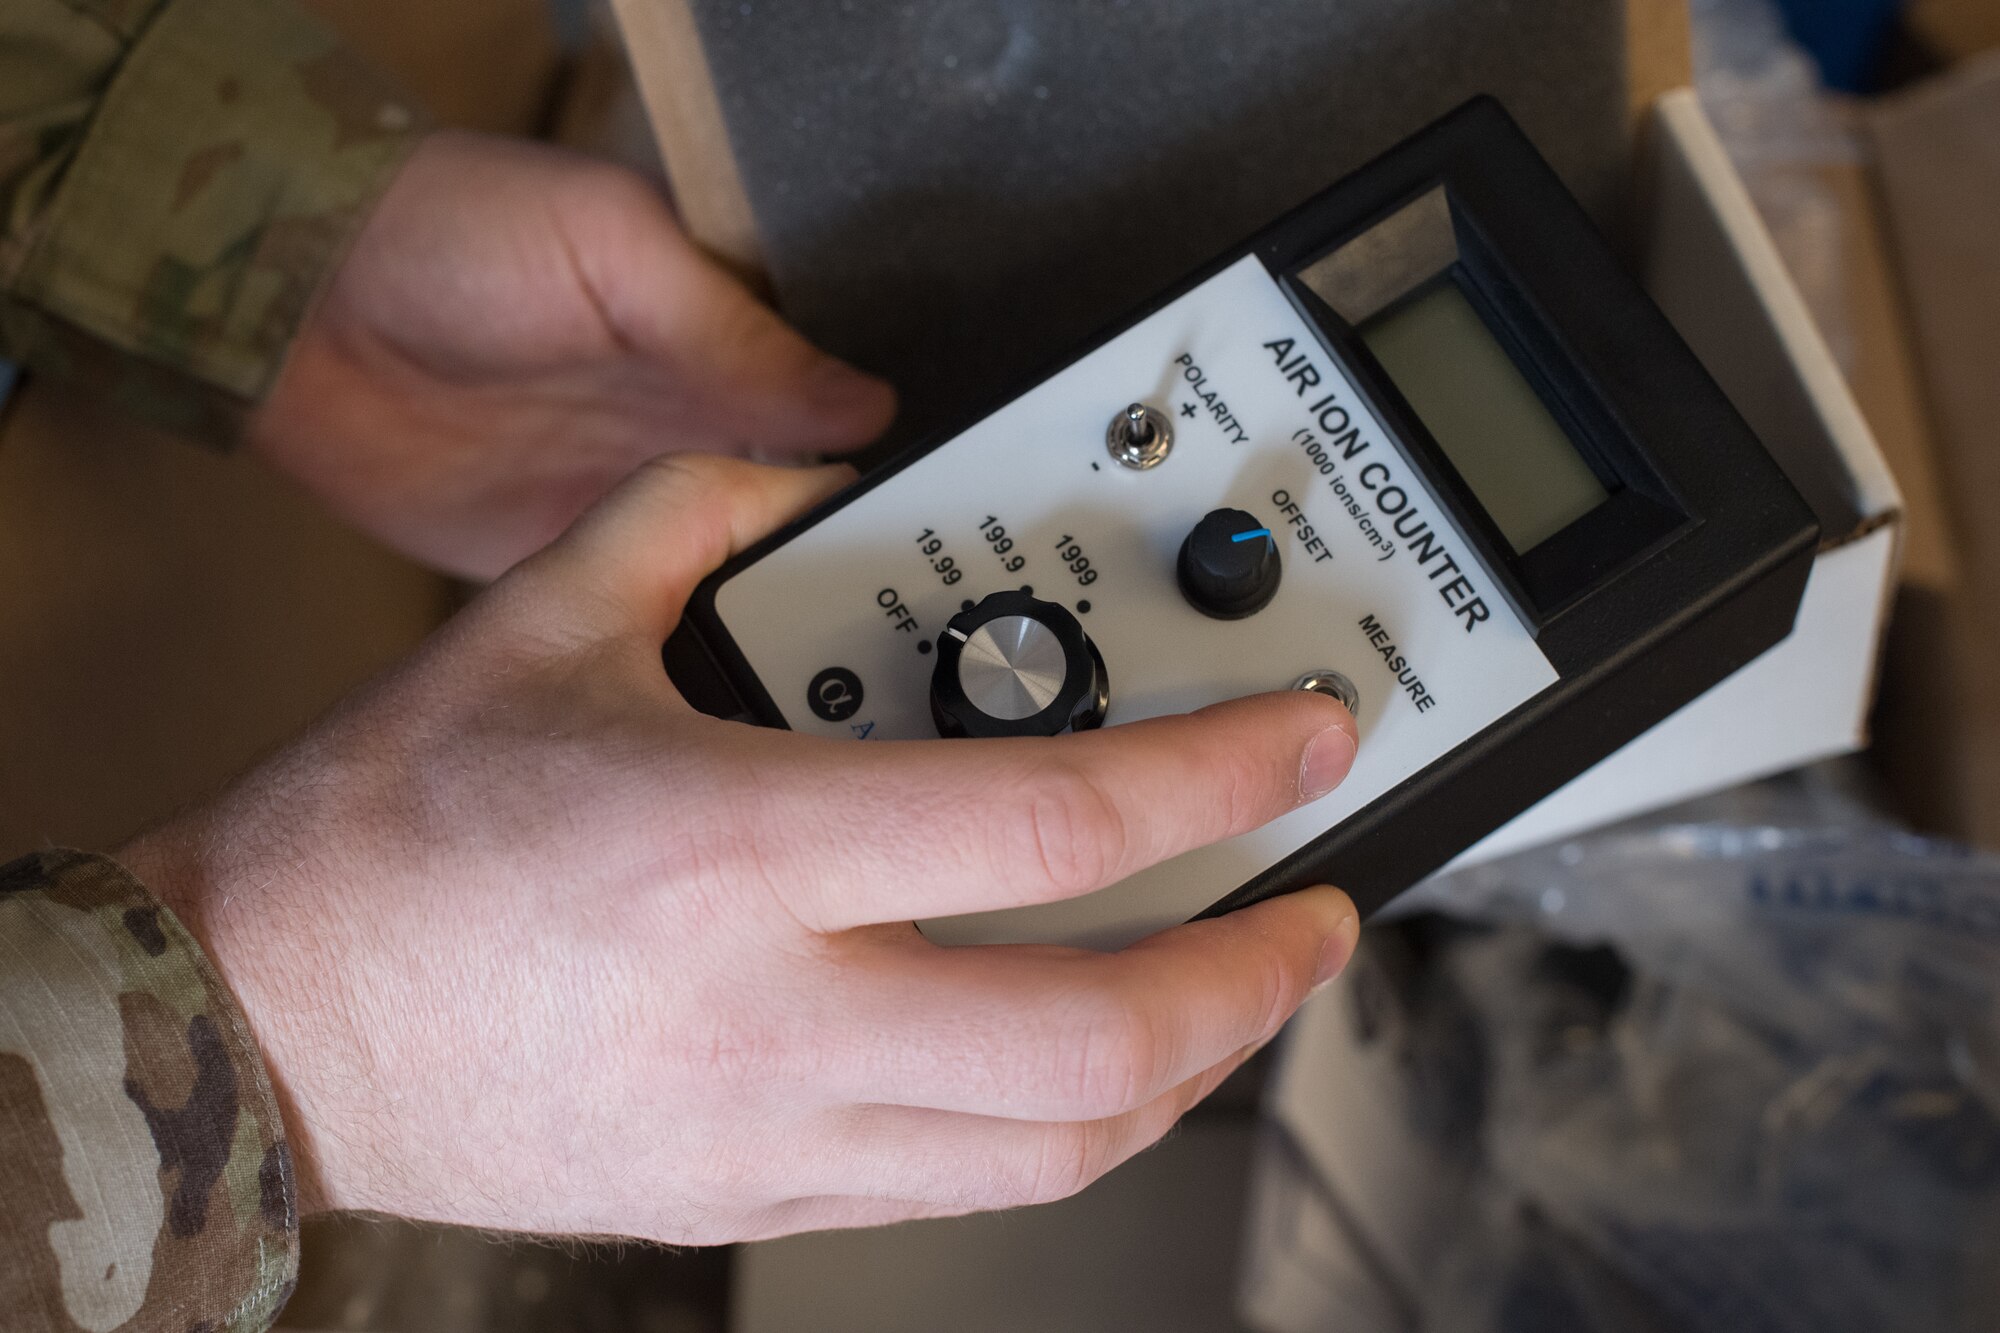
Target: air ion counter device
1421, 445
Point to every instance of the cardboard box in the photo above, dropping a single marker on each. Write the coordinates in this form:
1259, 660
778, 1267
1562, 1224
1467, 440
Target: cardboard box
1335, 1226
173, 613
1937, 176
1703, 251
1955, 29
1710, 263
1146, 1251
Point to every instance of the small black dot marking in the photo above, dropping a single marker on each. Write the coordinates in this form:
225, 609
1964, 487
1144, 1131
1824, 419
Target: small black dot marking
1083, 607
1028, 589
924, 648
1095, 468
965, 605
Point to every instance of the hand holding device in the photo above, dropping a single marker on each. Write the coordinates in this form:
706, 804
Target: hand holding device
1421, 445
515, 329
531, 944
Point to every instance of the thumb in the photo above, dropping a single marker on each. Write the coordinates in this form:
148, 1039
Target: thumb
749, 373
674, 521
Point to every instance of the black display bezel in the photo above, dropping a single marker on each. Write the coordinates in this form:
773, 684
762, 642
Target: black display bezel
1640, 608
1638, 514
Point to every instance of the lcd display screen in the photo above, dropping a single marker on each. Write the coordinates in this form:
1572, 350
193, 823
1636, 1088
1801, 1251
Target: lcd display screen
1484, 414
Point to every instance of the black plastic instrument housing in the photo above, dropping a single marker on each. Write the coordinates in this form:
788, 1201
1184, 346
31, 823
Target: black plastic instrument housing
1695, 566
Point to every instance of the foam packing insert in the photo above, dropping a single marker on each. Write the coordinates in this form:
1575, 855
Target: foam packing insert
954, 192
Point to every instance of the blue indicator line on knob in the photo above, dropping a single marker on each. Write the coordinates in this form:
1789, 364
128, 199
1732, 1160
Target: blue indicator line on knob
1251, 536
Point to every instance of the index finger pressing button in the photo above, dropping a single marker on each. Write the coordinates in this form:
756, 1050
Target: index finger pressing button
915, 830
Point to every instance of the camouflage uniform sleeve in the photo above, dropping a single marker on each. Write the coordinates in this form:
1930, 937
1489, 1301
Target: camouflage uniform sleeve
144, 1179
177, 179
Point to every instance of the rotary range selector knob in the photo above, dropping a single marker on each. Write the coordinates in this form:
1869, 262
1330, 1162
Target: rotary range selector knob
1017, 666
1229, 566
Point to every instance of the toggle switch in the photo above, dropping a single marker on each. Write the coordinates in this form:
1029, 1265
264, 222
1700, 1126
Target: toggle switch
1140, 437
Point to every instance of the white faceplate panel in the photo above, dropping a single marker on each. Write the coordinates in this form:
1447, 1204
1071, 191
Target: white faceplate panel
1253, 430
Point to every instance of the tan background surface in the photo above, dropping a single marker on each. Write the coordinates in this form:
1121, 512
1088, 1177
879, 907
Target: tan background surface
170, 614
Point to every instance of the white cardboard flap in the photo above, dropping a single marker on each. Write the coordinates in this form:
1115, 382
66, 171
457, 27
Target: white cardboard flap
1714, 269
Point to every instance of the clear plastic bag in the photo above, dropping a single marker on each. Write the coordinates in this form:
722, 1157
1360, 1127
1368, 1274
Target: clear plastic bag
1732, 1074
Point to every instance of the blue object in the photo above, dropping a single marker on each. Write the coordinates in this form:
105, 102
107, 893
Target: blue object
10, 375
571, 21
1251, 536
1845, 37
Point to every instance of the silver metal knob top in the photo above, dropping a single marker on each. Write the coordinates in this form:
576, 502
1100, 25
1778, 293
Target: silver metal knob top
1012, 668
1334, 684
1140, 437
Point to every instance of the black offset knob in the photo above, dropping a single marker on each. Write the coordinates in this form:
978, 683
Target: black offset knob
1017, 666
1229, 566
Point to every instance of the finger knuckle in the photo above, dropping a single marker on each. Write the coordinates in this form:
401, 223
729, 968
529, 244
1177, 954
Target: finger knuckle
1067, 1159
1247, 796
743, 329
730, 1173
1067, 836
1277, 983
622, 190
1110, 1061
689, 470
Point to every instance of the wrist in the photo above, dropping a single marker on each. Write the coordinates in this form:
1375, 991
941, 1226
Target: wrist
170, 863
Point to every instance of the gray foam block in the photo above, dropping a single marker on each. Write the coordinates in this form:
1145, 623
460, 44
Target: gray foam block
952, 192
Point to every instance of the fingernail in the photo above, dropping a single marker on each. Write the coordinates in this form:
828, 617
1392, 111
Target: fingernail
1339, 947
1328, 757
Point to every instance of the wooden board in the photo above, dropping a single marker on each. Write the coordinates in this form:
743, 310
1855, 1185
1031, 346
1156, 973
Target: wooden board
686, 114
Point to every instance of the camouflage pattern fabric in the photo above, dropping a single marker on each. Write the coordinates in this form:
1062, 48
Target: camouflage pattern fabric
144, 1178
177, 179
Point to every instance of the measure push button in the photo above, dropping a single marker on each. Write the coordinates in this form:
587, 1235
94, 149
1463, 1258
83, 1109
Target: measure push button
1229, 566
1017, 666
